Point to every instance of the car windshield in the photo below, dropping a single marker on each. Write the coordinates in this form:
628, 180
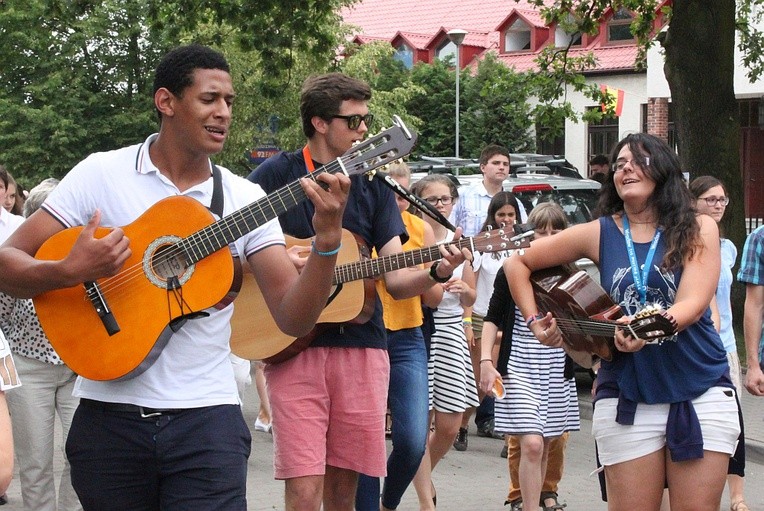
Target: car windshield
578, 205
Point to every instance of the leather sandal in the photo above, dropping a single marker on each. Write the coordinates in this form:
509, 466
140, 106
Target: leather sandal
740, 505
556, 506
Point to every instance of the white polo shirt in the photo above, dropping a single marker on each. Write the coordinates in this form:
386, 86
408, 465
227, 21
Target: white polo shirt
193, 369
8, 223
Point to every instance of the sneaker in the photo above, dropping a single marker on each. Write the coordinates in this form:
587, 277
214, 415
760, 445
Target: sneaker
460, 443
485, 429
261, 426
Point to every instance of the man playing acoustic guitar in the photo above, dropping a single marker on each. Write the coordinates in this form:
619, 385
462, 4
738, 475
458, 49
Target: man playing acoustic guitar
328, 402
168, 435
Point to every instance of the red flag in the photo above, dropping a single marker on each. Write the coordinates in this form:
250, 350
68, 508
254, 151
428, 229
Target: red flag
614, 102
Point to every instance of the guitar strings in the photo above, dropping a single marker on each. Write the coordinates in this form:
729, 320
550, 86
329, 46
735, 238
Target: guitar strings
111, 285
592, 327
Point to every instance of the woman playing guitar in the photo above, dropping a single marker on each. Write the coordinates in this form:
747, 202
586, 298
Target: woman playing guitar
665, 412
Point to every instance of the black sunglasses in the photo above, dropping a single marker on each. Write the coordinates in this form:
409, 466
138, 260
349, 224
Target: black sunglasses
354, 121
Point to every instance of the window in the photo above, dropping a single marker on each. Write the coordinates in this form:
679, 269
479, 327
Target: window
603, 136
750, 114
517, 37
446, 49
618, 28
549, 145
405, 55
562, 38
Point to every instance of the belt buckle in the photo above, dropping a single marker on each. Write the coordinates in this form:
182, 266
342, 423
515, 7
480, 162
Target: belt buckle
149, 415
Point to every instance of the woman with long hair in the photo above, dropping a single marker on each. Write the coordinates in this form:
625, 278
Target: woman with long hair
665, 412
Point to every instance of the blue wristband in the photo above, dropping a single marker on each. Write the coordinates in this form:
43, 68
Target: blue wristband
531, 319
327, 253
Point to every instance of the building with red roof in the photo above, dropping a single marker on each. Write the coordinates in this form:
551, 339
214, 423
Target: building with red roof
516, 32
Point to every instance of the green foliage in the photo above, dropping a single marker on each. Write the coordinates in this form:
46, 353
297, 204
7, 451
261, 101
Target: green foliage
496, 109
391, 84
435, 106
75, 77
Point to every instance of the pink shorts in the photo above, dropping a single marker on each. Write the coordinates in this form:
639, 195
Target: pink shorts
328, 408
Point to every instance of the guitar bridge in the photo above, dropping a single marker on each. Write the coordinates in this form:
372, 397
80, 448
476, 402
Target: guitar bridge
93, 292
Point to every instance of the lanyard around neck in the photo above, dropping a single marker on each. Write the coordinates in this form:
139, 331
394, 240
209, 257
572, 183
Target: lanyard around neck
640, 280
308, 160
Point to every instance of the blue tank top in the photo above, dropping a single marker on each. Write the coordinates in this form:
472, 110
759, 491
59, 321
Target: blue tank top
669, 372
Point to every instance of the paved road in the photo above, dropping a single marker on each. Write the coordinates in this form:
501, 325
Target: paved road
477, 478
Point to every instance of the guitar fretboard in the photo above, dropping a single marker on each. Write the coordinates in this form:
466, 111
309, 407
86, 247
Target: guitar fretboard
377, 266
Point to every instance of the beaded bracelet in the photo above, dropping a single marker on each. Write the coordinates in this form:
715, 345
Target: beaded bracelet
327, 253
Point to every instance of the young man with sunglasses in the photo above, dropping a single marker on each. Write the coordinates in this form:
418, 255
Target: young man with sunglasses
328, 402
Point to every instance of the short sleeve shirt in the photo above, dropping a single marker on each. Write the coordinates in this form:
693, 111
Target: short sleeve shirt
193, 369
371, 214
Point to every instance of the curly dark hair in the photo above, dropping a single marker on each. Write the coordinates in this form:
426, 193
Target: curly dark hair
175, 71
671, 199
322, 96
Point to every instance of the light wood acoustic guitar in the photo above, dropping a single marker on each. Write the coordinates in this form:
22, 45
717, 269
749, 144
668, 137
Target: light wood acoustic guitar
255, 335
116, 327
587, 316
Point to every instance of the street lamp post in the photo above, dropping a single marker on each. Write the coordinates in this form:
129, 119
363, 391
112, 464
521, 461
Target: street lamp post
457, 36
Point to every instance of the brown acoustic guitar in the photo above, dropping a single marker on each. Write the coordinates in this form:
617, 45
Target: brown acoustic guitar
586, 315
116, 327
255, 335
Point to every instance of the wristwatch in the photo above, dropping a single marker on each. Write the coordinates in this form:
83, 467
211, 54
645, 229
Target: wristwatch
434, 274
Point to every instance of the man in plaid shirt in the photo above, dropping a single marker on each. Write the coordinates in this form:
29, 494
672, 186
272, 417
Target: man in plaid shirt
752, 273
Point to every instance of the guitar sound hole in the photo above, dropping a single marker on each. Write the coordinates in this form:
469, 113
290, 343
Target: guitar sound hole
169, 261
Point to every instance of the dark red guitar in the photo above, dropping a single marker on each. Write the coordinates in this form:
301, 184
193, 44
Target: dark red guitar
586, 315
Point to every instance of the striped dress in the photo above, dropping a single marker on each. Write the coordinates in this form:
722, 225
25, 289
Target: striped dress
539, 398
451, 380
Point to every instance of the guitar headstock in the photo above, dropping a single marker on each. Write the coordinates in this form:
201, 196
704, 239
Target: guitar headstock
653, 324
393, 143
501, 239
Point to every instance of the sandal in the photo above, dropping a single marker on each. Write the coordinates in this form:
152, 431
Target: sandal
557, 506
740, 505
514, 505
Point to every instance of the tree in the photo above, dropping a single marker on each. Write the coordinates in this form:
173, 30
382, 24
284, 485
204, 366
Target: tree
497, 109
75, 77
435, 106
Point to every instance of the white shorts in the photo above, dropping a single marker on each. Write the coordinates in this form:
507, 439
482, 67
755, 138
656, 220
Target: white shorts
616, 443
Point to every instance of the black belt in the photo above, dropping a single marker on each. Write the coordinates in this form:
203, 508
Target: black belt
144, 411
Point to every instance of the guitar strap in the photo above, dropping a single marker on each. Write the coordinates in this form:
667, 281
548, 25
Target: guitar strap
216, 205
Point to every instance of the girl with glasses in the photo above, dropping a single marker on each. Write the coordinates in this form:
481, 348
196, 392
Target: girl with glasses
711, 199
451, 380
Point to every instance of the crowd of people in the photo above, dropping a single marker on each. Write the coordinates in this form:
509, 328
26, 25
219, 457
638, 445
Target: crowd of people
458, 335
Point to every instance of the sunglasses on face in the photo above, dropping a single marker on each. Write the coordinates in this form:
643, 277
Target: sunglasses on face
354, 121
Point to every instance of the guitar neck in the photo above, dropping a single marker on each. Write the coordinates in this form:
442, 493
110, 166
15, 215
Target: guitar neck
228, 229
588, 326
379, 265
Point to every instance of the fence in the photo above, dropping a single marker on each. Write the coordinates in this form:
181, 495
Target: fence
752, 223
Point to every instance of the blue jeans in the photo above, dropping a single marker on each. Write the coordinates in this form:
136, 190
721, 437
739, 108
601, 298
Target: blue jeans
194, 460
408, 399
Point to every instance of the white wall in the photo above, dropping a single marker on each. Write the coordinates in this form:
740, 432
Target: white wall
576, 139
